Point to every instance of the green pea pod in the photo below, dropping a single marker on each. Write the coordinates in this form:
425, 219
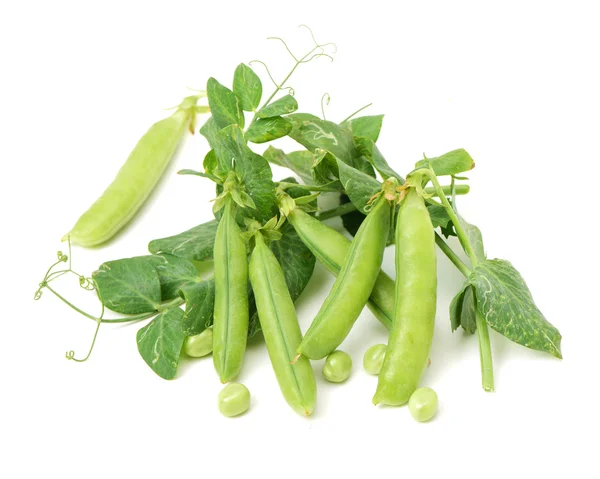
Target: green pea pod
352, 287
279, 324
331, 248
136, 179
231, 317
416, 282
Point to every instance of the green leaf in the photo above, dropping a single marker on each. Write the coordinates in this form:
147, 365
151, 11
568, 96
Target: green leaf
366, 126
230, 145
451, 163
314, 133
199, 305
224, 105
247, 87
194, 244
368, 149
475, 238
300, 162
462, 310
324, 169
253, 171
209, 130
174, 273
261, 131
160, 342
295, 258
210, 163
439, 216
129, 285
507, 307
359, 186
282, 106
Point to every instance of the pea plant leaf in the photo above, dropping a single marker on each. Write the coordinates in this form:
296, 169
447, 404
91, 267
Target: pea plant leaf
314, 133
254, 173
359, 186
174, 273
295, 258
129, 286
247, 87
199, 304
451, 163
475, 238
194, 244
324, 169
160, 342
439, 216
282, 106
208, 130
508, 307
268, 129
230, 145
300, 162
224, 105
368, 149
365, 126
463, 309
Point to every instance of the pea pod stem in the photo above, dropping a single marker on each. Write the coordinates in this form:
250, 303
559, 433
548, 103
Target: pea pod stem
349, 207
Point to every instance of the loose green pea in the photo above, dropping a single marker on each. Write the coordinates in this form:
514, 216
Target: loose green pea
373, 358
338, 367
199, 345
423, 404
234, 399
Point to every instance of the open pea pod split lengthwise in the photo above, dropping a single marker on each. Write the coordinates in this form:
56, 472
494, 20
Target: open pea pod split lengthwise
266, 236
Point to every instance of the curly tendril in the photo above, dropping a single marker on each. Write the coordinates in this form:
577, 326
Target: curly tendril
319, 50
89, 284
327, 98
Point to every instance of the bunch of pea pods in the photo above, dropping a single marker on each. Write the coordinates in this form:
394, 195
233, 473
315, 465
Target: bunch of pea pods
266, 236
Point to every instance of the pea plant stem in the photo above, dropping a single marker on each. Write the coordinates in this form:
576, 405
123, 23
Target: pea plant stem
485, 350
452, 256
337, 211
127, 319
485, 353
462, 235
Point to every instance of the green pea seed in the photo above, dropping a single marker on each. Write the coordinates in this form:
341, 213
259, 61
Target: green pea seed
338, 367
423, 404
234, 399
199, 345
373, 358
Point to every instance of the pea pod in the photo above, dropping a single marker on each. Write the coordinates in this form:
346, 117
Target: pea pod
231, 316
280, 328
136, 179
331, 248
352, 287
412, 330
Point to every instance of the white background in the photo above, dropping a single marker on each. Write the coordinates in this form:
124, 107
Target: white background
514, 83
